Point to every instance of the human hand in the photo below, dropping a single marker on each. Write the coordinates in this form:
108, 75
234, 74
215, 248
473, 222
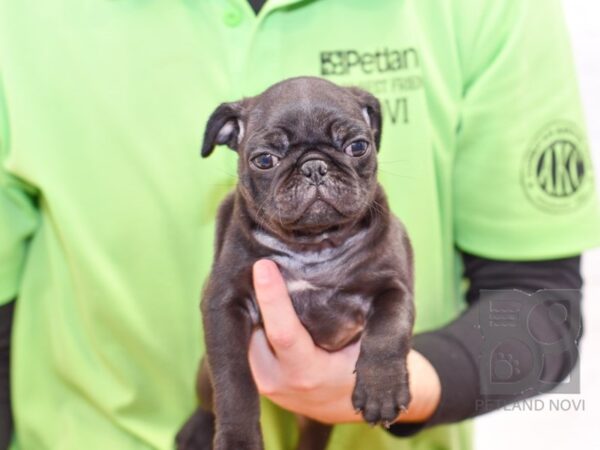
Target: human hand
294, 373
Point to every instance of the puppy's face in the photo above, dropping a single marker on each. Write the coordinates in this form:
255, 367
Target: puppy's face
307, 154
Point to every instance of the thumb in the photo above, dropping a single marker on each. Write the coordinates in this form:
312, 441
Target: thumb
290, 340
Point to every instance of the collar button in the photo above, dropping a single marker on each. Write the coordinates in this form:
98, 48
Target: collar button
232, 17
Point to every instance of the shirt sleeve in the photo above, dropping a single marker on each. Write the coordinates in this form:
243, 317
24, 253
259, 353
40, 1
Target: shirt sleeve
18, 214
523, 186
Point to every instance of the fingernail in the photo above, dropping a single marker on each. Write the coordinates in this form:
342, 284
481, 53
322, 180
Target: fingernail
262, 272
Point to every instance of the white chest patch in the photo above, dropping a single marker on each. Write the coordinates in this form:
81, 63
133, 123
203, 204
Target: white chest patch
300, 286
310, 270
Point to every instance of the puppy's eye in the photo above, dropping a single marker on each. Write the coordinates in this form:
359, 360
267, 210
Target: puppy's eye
357, 148
265, 161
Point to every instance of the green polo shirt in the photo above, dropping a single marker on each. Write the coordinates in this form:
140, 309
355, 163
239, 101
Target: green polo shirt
107, 212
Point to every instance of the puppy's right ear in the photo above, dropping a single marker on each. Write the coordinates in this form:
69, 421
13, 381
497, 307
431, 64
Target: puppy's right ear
225, 126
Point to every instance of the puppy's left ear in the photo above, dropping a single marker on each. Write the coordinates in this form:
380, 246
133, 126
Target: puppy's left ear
371, 109
225, 126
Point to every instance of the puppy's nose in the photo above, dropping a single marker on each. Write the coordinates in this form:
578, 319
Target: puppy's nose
315, 169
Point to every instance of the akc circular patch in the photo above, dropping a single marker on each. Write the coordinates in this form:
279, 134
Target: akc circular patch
557, 173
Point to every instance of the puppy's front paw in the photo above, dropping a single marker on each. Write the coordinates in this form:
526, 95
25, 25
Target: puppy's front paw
381, 393
238, 439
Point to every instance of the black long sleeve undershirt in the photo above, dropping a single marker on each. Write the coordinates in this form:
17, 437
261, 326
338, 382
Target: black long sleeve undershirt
455, 350
6, 420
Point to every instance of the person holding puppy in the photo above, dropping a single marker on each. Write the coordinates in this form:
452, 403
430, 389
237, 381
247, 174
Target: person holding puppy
107, 212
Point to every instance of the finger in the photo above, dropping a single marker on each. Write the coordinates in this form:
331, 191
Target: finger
263, 364
290, 340
342, 363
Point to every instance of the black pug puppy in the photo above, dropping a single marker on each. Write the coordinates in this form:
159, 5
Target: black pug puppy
308, 199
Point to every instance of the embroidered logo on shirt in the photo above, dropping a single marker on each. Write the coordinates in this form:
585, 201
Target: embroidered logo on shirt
557, 175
